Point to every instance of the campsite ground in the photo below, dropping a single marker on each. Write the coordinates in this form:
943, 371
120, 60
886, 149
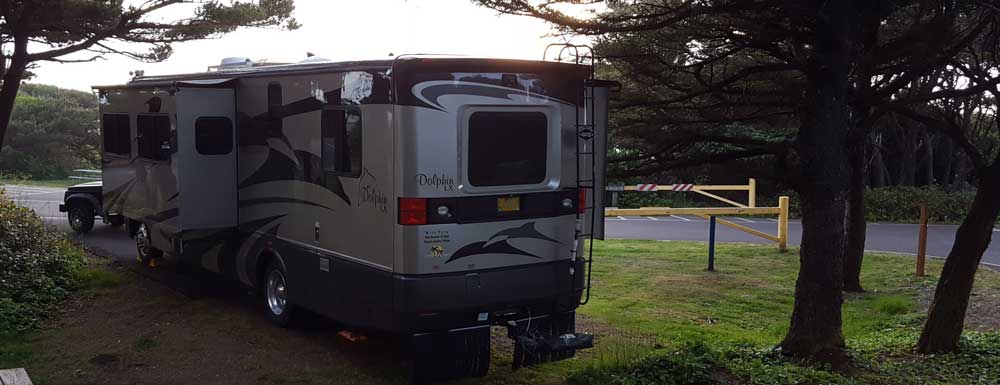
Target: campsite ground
134, 325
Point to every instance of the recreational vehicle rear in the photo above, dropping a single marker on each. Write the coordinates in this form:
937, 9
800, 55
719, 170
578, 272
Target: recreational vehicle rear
432, 197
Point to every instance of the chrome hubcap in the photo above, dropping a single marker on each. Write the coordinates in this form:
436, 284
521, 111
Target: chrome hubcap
276, 293
142, 240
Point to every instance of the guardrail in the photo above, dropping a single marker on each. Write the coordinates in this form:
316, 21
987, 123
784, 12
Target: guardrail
781, 238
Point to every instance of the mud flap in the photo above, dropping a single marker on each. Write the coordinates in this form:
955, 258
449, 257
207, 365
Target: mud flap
552, 338
451, 355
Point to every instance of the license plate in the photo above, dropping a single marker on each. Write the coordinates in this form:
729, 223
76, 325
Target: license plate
508, 204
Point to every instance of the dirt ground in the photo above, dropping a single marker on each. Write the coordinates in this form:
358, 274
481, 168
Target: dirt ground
154, 328
149, 333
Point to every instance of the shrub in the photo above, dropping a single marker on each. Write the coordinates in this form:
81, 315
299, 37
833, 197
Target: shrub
36, 267
884, 204
901, 203
695, 364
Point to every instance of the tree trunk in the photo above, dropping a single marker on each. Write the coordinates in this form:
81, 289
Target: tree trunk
815, 332
878, 171
951, 299
927, 161
944, 159
856, 225
11, 82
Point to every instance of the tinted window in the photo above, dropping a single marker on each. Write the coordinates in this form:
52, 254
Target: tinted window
507, 148
117, 134
342, 142
213, 135
154, 136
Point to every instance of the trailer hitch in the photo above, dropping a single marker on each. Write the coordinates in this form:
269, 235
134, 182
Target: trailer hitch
547, 339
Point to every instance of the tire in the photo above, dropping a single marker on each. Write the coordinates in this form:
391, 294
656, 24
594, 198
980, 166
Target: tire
144, 246
116, 220
451, 355
81, 217
279, 310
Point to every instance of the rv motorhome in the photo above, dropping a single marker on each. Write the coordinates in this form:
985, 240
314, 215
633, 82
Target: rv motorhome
427, 196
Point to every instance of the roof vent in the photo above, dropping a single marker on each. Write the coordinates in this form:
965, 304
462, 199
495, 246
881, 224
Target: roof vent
314, 59
233, 62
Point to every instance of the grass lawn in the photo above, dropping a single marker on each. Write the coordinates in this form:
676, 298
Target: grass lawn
658, 298
651, 300
60, 183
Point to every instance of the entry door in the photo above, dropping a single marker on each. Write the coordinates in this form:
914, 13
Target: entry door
206, 154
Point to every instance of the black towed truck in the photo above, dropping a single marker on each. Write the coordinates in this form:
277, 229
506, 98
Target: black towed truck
83, 203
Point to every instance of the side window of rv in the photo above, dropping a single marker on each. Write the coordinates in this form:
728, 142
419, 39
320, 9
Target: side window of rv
154, 137
213, 135
342, 142
117, 134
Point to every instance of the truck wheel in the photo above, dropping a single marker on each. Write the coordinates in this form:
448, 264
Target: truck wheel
116, 220
144, 245
279, 309
81, 217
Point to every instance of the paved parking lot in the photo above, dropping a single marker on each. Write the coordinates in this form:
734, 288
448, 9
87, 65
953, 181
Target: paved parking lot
885, 237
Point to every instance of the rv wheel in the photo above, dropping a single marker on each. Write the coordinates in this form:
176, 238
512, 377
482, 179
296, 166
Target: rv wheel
81, 217
279, 309
144, 245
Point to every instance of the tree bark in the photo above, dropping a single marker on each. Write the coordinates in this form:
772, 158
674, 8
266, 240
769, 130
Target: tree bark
878, 171
12, 82
946, 318
927, 161
856, 224
815, 332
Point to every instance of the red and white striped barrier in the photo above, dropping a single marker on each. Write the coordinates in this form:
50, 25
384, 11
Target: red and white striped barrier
682, 187
646, 187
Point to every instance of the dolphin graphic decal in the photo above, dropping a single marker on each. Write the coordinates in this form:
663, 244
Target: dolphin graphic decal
497, 244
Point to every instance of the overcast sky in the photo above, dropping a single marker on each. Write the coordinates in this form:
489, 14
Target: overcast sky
337, 30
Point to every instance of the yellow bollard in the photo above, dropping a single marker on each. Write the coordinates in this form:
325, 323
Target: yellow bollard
783, 224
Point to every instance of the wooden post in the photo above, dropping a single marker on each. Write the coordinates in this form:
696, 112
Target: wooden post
783, 224
752, 191
922, 242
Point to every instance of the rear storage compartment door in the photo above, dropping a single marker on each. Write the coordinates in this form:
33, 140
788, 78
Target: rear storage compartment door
206, 153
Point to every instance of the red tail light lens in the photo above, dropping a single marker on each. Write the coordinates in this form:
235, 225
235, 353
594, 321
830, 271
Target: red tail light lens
412, 211
581, 202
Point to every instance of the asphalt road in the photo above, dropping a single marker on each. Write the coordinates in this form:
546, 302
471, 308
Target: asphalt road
885, 237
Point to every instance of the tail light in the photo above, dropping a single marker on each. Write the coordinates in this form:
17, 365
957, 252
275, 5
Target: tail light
412, 211
581, 203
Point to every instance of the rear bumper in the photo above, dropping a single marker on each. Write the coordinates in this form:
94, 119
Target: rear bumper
441, 302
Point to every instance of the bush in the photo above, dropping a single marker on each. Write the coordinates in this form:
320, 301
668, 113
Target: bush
695, 364
884, 204
36, 267
902, 203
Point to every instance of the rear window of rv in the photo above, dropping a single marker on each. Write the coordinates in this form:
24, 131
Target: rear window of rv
154, 136
507, 148
117, 134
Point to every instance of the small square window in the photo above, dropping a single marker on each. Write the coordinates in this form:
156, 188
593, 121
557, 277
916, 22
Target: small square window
342, 142
154, 137
213, 135
117, 134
